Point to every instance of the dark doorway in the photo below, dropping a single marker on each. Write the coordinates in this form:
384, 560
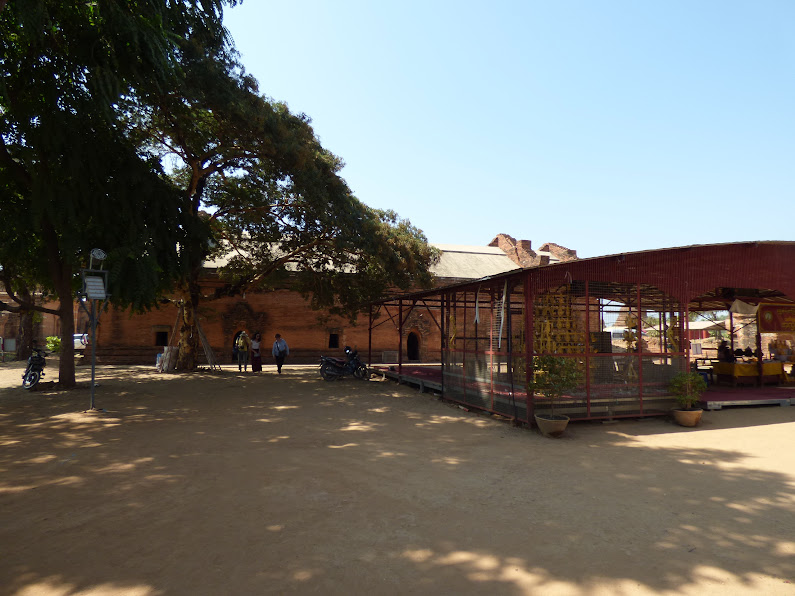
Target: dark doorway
413, 346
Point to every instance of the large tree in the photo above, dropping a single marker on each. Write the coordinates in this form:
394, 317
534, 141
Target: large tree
271, 194
96, 97
72, 176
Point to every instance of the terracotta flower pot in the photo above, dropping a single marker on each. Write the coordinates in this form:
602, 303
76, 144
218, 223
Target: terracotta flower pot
688, 417
551, 426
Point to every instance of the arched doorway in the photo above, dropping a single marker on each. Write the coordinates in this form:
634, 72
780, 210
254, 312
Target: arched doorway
413, 346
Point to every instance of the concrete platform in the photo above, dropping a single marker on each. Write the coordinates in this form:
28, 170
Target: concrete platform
426, 378
718, 397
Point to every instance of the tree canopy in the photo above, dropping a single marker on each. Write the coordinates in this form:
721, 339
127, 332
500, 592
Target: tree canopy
270, 193
132, 126
73, 178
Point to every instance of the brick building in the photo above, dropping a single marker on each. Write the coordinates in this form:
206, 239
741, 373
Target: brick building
123, 337
43, 325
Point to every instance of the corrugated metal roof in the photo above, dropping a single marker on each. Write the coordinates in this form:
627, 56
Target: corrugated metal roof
483, 250
457, 262
675, 248
679, 259
471, 262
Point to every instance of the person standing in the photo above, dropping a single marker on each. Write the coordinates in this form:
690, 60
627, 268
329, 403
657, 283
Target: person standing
243, 345
280, 352
234, 346
256, 355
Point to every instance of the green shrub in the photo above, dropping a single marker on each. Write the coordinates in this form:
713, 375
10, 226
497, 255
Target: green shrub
687, 387
553, 376
53, 343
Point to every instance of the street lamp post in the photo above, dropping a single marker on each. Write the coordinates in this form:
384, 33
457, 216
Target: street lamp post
94, 290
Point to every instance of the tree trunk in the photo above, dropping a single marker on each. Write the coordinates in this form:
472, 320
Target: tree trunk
61, 273
25, 335
191, 290
66, 366
188, 337
189, 330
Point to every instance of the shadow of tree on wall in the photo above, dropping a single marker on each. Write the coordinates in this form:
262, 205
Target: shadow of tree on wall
234, 484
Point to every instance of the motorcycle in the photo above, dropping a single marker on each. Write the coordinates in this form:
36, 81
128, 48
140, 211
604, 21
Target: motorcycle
35, 370
336, 368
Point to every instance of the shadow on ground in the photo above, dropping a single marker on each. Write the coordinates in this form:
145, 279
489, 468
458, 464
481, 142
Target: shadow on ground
265, 484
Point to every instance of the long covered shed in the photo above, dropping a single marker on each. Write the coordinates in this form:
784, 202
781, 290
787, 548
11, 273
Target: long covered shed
478, 339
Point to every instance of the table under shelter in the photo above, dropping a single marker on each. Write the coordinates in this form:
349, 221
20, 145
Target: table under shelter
478, 339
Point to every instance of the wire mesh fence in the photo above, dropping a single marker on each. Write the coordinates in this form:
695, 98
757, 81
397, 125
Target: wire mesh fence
625, 338
623, 319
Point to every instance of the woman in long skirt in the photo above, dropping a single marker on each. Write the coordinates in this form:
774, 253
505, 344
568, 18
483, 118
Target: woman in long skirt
256, 355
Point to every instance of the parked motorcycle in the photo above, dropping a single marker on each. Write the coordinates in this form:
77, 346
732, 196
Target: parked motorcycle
35, 370
336, 368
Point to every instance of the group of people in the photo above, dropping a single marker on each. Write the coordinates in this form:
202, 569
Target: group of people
725, 353
250, 349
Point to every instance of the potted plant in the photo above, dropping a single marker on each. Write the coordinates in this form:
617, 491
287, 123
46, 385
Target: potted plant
552, 377
687, 388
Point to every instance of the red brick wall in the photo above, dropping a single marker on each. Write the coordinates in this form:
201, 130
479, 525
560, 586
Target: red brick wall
123, 337
519, 252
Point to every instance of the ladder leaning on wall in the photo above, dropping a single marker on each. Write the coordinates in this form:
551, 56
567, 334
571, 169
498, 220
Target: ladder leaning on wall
208, 351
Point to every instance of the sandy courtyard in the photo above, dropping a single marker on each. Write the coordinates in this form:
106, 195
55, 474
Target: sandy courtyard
242, 484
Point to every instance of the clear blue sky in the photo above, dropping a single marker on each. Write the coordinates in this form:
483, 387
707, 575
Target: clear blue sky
605, 126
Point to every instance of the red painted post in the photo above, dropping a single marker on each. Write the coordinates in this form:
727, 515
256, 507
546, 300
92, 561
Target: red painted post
400, 337
640, 351
529, 338
588, 348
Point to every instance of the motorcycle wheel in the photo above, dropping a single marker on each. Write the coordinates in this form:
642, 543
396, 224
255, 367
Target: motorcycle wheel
361, 372
325, 372
31, 378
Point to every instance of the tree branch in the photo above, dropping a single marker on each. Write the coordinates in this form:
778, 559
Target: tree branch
23, 305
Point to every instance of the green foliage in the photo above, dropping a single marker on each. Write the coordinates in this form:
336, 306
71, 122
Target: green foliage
687, 387
553, 376
341, 255
278, 210
53, 343
96, 96
72, 174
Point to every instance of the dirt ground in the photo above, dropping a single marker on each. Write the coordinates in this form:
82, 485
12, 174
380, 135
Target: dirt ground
244, 484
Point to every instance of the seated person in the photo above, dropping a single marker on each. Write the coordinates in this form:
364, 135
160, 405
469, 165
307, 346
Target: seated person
748, 352
725, 353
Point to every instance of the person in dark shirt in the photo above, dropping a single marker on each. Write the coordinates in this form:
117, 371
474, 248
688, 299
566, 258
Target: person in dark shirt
725, 353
